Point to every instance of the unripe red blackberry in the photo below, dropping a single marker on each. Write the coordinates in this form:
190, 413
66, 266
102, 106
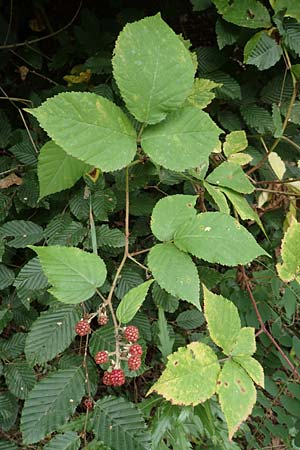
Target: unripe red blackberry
107, 379
82, 328
135, 350
134, 362
117, 377
102, 319
131, 333
88, 403
101, 357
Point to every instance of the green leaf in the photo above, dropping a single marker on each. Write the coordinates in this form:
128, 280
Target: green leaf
200, 5
170, 212
8, 410
62, 230
5, 317
229, 89
291, 35
202, 93
245, 342
217, 238
289, 269
132, 302
218, 197
277, 121
102, 339
183, 141
237, 395
7, 276
90, 128
7, 445
175, 272
236, 141
168, 302
119, 424
257, 117
131, 276
252, 367
232, 176
223, 320
190, 376
56, 326
262, 51
153, 69
30, 277
166, 342
227, 34
67, 441
50, 403
245, 13
23, 233
57, 170
108, 237
20, 378
242, 206
73, 273
289, 7
190, 319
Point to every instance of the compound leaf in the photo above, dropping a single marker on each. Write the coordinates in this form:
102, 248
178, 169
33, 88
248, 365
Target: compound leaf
153, 69
90, 128
190, 376
73, 273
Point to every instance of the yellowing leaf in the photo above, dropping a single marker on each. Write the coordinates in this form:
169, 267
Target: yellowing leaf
252, 367
290, 252
277, 165
236, 141
190, 376
202, 93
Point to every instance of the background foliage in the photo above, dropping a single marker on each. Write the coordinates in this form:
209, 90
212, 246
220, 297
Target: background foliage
247, 58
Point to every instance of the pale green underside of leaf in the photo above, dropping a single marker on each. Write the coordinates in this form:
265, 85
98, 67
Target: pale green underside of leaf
153, 69
190, 376
67, 441
231, 175
169, 213
132, 301
252, 367
236, 141
56, 326
73, 273
57, 170
175, 272
237, 395
245, 13
217, 238
202, 93
184, 140
223, 320
262, 51
50, 403
90, 128
290, 252
120, 424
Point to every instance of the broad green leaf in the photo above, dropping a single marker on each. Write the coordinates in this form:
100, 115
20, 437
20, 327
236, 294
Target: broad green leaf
289, 269
153, 69
190, 376
242, 206
240, 158
202, 93
31, 277
190, 319
166, 342
20, 378
8, 410
231, 175
184, 140
277, 164
252, 367
245, 342
56, 326
291, 35
50, 403
14, 346
162, 298
73, 273
7, 276
131, 276
120, 424
5, 317
227, 34
218, 197
223, 320
57, 170
217, 238
262, 50
90, 128
257, 117
102, 339
67, 441
175, 272
62, 230
7, 445
132, 302
289, 7
22, 233
169, 213
237, 395
236, 141
245, 13
229, 89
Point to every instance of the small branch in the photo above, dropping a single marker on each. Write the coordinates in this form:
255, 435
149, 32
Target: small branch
145, 250
272, 191
287, 180
139, 137
285, 138
263, 328
138, 263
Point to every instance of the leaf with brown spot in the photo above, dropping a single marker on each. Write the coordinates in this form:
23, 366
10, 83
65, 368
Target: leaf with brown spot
10, 180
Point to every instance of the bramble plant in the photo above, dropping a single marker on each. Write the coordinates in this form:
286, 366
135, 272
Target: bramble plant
105, 283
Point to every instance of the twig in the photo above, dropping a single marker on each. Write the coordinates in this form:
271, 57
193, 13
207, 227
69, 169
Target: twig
287, 180
263, 327
272, 191
10, 22
33, 41
145, 250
